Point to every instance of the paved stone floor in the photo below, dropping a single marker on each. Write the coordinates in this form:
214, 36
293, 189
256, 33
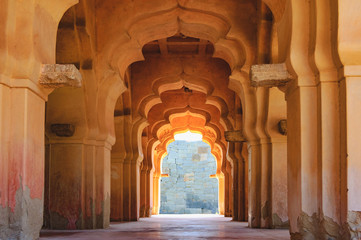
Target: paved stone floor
173, 227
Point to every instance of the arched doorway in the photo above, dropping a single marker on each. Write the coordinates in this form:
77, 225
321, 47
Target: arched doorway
189, 184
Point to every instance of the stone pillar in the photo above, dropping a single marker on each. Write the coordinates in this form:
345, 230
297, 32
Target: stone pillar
117, 162
131, 190
316, 176
303, 167
265, 161
229, 189
102, 185
116, 202
235, 184
348, 47
221, 193
227, 186
240, 170
245, 155
330, 144
145, 177
156, 181
148, 194
277, 130
254, 194
266, 184
22, 150
126, 174
78, 192
255, 185
155, 210
351, 167
271, 110
239, 196
79, 189
143, 190
279, 183
21, 161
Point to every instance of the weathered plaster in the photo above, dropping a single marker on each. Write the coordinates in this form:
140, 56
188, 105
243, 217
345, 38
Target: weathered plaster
265, 213
278, 223
24, 221
354, 224
308, 227
323, 227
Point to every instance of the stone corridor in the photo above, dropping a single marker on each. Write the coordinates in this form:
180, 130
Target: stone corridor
195, 226
92, 92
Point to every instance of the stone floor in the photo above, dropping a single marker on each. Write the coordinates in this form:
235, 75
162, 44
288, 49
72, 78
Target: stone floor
173, 227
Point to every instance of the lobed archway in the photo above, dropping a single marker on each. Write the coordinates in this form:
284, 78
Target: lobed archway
188, 183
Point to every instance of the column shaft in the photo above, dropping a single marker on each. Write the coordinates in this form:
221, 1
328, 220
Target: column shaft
303, 165
21, 163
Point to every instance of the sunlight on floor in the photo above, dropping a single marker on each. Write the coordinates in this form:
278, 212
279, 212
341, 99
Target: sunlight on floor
188, 216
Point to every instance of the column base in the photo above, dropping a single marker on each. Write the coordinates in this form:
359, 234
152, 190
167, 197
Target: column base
24, 220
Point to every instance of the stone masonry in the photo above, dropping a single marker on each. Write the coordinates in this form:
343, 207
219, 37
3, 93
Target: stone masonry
189, 188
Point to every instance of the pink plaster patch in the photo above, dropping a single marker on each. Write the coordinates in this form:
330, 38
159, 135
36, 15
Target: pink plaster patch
30, 169
34, 173
15, 174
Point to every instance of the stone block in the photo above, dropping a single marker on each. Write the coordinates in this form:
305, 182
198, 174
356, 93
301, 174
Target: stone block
234, 136
204, 157
282, 127
63, 130
269, 75
202, 150
60, 75
196, 157
189, 177
195, 210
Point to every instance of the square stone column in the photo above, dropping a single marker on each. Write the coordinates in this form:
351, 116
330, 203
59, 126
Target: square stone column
79, 166
125, 178
78, 179
302, 162
277, 130
351, 152
254, 193
21, 162
79, 185
239, 181
22, 113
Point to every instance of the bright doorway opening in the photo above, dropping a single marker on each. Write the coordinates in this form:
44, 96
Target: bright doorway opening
191, 186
